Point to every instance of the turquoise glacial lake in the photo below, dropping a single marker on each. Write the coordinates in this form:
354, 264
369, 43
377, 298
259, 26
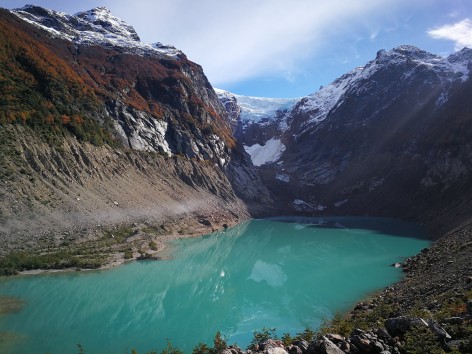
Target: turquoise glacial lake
282, 273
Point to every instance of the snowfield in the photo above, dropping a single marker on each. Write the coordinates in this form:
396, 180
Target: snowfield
268, 153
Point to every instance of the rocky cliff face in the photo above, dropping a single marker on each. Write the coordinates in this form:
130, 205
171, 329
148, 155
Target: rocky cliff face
98, 129
157, 99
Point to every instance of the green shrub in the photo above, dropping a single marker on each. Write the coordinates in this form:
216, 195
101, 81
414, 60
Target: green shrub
128, 254
153, 245
201, 348
339, 324
287, 339
308, 334
420, 340
170, 349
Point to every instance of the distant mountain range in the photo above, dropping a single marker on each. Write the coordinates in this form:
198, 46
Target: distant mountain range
389, 138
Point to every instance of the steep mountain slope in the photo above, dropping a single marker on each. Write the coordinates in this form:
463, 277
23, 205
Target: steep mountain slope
157, 99
98, 128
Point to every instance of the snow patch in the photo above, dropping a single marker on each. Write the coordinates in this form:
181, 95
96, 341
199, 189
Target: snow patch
301, 205
282, 177
341, 202
262, 154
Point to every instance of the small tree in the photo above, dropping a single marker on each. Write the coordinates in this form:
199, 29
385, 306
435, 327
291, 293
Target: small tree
287, 339
308, 334
201, 348
219, 344
170, 349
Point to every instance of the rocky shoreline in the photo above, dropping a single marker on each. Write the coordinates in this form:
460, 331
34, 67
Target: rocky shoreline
111, 246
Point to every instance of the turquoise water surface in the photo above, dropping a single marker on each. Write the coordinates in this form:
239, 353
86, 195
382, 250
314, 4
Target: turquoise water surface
281, 273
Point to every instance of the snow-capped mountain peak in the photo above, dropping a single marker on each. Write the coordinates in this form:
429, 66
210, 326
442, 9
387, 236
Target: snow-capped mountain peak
102, 16
97, 26
408, 59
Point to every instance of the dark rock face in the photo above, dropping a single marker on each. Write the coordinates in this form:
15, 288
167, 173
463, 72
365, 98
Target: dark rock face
248, 184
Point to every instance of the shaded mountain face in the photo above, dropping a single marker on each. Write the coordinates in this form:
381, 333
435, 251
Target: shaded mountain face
390, 138
150, 96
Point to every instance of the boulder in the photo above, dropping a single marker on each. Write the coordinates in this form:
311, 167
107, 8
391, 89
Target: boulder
398, 326
302, 344
363, 344
455, 344
276, 350
335, 338
329, 347
382, 334
272, 346
294, 349
438, 331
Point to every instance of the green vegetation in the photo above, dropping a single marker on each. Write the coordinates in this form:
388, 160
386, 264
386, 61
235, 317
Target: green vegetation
262, 335
308, 334
128, 253
219, 345
153, 245
420, 340
170, 349
89, 254
340, 323
19, 261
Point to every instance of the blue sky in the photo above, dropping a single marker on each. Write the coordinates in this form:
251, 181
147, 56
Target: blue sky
286, 48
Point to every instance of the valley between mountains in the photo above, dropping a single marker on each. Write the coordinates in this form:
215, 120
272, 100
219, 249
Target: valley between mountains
111, 147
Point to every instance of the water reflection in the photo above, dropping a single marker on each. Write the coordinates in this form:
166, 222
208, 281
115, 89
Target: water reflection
270, 273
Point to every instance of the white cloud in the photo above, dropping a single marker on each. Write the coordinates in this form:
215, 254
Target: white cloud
237, 40
459, 32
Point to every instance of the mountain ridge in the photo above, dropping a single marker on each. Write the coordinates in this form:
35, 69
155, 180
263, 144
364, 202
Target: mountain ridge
93, 27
